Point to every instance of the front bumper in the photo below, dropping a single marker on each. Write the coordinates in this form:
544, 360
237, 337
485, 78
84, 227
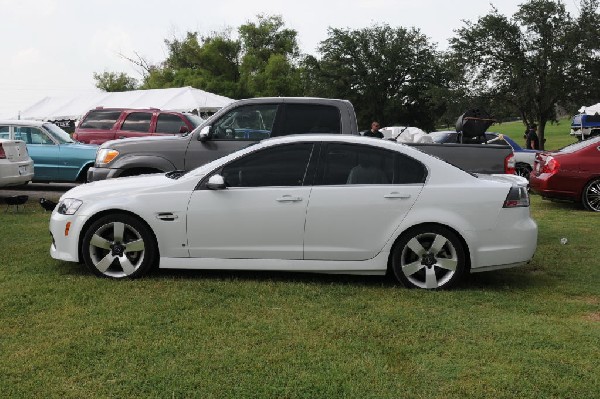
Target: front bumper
65, 231
95, 174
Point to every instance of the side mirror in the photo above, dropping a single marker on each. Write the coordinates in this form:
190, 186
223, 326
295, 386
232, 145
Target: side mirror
183, 129
216, 182
204, 134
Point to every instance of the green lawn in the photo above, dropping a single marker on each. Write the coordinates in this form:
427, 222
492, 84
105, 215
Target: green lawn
556, 134
530, 332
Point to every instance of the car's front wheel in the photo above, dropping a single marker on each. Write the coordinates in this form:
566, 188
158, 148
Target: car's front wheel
430, 257
591, 196
118, 246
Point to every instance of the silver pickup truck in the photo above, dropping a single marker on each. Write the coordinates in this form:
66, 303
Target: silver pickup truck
247, 121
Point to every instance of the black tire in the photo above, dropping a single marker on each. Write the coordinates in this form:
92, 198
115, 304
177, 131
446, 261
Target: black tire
523, 170
119, 246
416, 266
591, 196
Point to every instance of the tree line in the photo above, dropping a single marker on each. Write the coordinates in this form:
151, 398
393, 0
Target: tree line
525, 65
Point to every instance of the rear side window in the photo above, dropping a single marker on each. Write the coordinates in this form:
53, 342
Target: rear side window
362, 164
169, 123
311, 118
137, 122
100, 119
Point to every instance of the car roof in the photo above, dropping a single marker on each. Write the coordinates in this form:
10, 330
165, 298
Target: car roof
22, 122
343, 138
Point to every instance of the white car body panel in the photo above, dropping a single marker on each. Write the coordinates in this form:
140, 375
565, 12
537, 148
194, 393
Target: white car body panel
17, 167
257, 225
264, 215
340, 227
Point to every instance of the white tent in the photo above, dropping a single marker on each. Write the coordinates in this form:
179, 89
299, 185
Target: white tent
183, 99
591, 110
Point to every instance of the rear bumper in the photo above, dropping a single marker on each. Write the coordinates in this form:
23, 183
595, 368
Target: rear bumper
542, 185
95, 174
16, 173
518, 244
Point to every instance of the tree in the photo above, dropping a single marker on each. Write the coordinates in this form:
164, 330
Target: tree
534, 61
270, 54
389, 74
209, 63
113, 81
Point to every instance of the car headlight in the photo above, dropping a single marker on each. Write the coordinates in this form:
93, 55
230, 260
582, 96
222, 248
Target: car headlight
68, 206
106, 155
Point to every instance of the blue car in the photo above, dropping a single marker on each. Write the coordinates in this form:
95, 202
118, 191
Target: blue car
56, 156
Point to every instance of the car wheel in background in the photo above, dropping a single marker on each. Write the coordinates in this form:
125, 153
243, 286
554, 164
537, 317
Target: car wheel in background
118, 246
430, 257
523, 170
591, 196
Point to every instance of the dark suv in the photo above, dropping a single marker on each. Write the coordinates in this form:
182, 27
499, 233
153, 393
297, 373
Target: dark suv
103, 124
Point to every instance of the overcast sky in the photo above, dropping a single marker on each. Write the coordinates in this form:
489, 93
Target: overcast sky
53, 47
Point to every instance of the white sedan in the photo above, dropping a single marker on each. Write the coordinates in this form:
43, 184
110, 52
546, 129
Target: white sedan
311, 203
16, 167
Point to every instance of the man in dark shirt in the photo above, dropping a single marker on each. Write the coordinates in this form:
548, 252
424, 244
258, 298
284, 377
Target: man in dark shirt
374, 132
532, 141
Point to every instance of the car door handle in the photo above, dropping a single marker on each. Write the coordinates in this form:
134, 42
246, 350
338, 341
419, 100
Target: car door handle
397, 195
289, 198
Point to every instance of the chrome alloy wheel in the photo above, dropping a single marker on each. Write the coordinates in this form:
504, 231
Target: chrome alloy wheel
591, 196
116, 249
429, 260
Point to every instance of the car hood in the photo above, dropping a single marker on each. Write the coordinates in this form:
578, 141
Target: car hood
81, 146
119, 187
143, 139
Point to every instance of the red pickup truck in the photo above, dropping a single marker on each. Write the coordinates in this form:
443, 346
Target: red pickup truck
103, 124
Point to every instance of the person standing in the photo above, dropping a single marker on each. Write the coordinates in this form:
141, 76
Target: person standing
374, 132
532, 141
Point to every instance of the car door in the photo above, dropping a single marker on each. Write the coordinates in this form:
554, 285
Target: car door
361, 195
236, 129
42, 149
261, 213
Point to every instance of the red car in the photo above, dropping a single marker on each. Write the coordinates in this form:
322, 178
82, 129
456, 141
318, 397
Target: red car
571, 173
103, 124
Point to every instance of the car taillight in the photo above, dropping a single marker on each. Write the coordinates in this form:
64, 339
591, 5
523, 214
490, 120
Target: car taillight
2, 153
550, 166
517, 197
509, 164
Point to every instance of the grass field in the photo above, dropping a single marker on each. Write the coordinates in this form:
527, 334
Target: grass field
530, 332
556, 134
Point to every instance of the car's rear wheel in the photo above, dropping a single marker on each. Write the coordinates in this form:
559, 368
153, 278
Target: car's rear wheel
523, 170
429, 257
591, 196
119, 246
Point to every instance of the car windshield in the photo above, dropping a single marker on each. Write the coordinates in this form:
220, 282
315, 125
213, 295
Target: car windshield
59, 135
441, 137
194, 119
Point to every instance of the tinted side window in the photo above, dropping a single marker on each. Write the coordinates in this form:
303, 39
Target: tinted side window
362, 164
169, 123
100, 119
248, 122
137, 122
284, 165
311, 118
